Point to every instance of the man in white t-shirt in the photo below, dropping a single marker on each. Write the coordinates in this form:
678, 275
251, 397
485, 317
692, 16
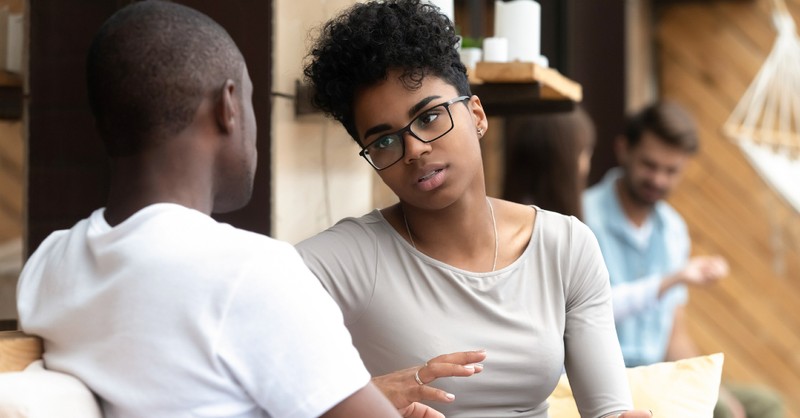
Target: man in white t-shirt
159, 309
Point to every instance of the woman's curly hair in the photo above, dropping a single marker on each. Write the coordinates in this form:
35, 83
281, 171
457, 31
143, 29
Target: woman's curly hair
357, 48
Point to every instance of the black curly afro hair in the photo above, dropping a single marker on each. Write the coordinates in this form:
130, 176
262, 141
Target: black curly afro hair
357, 48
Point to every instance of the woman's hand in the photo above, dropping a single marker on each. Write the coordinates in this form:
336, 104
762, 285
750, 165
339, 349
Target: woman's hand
637, 413
406, 387
419, 410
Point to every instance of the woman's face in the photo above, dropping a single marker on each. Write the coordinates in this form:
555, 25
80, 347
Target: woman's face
430, 175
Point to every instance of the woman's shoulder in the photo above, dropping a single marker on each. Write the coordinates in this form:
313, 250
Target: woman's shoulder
516, 223
517, 218
533, 222
530, 217
346, 233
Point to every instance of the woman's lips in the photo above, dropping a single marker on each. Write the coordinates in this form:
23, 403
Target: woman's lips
429, 175
431, 180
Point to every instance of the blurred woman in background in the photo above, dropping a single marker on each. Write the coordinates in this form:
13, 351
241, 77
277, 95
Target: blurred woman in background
548, 157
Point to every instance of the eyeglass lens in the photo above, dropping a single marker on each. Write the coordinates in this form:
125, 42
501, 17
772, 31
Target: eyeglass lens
427, 127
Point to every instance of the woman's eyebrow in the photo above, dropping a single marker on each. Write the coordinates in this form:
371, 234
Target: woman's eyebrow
411, 113
422, 103
376, 129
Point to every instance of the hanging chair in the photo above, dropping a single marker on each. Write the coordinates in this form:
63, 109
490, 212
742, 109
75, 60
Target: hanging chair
768, 114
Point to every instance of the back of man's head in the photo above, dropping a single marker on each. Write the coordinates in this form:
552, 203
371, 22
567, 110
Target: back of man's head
669, 122
148, 68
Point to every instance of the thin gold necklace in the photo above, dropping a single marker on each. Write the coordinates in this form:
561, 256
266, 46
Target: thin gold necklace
494, 226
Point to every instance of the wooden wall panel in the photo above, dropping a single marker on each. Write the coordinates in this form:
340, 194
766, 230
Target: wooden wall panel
708, 53
11, 179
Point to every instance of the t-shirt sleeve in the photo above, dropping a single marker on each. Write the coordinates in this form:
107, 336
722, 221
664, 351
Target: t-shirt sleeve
284, 340
593, 358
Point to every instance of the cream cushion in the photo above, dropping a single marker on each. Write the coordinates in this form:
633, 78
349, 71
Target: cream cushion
39, 393
683, 388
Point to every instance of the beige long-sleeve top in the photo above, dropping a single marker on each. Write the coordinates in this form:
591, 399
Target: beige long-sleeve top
549, 308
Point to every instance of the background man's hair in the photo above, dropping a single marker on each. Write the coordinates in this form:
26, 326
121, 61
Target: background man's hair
357, 48
148, 68
670, 122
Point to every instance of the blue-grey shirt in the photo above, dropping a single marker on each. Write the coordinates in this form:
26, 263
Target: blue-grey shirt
644, 322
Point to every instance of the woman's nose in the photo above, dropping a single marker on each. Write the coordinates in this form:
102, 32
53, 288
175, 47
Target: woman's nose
414, 147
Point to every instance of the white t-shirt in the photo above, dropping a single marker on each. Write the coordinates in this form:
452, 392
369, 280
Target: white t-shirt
172, 314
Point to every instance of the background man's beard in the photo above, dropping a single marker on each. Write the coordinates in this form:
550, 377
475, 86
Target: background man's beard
639, 198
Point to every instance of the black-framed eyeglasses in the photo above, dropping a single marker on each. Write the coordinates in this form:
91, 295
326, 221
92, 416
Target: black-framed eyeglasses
427, 127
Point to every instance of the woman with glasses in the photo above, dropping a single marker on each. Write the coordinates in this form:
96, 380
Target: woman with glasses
448, 269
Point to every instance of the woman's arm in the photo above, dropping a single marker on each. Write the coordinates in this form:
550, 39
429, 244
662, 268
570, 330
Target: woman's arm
592, 355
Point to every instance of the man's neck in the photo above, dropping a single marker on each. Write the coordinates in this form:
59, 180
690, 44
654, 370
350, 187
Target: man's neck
137, 183
635, 211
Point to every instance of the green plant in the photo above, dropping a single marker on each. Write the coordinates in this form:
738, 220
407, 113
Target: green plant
468, 42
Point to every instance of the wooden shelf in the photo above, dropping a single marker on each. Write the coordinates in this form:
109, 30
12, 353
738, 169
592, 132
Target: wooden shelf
506, 99
8, 79
552, 85
514, 88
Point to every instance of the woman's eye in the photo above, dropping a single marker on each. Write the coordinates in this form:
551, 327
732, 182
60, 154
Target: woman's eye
384, 142
427, 118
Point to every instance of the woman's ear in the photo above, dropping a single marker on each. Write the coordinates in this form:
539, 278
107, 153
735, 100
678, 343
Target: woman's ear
225, 108
478, 116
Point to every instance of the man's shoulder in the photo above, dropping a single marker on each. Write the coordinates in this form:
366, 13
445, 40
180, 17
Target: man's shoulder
171, 222
59, 240
597, 202
669, 215
592, 196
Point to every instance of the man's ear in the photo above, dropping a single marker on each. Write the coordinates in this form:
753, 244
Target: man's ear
225, 108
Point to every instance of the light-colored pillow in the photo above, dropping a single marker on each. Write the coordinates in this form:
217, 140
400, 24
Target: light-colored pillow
39, 393
683, 388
